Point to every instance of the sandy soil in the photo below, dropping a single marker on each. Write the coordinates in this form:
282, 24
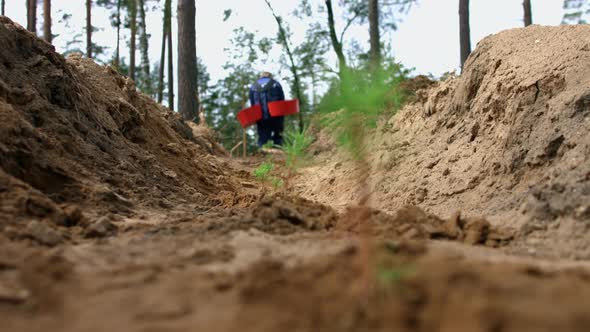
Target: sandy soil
116, 215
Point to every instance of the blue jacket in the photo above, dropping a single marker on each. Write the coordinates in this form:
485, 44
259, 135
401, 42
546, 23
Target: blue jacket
265, 90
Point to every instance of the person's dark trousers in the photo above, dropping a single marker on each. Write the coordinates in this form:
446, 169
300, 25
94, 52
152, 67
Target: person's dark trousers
271, 129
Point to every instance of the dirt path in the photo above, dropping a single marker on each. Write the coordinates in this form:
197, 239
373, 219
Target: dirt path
266, 269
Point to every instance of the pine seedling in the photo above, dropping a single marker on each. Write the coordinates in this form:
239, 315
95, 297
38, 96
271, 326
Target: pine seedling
350, 111
262, 172
268, 145
276, 183
295, 146
387, 276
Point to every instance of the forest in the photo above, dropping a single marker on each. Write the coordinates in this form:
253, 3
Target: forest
310, 66
311, 182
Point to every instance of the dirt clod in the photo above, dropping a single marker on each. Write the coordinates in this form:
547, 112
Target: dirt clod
103, 227
43, 233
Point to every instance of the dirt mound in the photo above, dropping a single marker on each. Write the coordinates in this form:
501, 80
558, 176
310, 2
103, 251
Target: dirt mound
508, 140
76, 133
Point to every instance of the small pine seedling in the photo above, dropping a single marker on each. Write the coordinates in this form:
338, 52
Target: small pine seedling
262, 172
295, 146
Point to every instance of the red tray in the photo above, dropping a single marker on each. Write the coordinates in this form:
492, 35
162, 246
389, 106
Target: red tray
250, 115
283, 107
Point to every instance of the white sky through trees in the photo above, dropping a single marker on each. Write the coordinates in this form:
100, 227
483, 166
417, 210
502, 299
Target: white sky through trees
427, 38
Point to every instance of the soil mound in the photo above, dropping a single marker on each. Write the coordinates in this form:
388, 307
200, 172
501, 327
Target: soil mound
74, 133
508, 139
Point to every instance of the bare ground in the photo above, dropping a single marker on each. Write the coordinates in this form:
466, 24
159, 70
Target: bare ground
116, 215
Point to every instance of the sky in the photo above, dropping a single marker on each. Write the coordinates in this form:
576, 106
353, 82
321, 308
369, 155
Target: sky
427, 38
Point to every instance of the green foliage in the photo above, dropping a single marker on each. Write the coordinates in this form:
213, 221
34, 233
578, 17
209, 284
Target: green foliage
295, 145
354, 104
576, 11
276, 183
387, 276
262, 172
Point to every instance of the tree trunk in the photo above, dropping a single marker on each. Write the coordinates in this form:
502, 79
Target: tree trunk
163, 56
170, 56
187, 60
132, 43
3, 8
144, 47
528, 14
336, 44
464, 31
89, 28
293, 67
117, 61
32, 15
375, 42
47, 21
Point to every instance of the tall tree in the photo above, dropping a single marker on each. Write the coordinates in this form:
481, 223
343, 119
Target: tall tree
528, 14
114, 7
284, 40
382, 13
464, 31
187, 60
132, 44
146, 81
47, 21
32, 15
89, 28
117, 61
336, 43
170, 56
375, 40
163, 54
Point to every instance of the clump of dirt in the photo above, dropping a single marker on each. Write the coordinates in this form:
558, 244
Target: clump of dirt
74, 133
508, 139
20, 202
412, 223
416, 87
281, 215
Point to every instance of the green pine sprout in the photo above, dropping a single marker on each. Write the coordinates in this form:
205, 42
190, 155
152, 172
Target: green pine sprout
269, 145
392, 275
295, 146
355, 103
276, 183
262, 172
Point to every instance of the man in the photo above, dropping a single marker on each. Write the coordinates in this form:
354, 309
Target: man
263, 91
